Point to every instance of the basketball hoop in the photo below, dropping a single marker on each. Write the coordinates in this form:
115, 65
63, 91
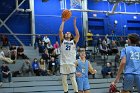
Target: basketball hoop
75, 3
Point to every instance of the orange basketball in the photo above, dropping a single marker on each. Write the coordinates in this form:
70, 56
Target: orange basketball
66, 14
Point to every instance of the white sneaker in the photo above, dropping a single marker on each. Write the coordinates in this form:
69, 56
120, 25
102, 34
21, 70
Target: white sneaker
1, 84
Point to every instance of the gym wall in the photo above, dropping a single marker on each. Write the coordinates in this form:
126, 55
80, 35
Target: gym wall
104, 24
48, 19
19, 22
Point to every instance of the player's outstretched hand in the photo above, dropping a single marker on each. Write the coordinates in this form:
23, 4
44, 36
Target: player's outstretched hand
64, 19
95, 71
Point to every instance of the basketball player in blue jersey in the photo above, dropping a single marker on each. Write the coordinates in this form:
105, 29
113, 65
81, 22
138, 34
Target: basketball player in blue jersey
130, 62
82, 68
68, 56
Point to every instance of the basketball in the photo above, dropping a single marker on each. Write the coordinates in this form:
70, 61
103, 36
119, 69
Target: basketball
66, 14
112, 88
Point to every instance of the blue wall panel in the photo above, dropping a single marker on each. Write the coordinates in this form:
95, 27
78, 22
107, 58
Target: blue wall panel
130, 8
48, 18
138, 7
121, 18
18, 22
52, 7
98, 5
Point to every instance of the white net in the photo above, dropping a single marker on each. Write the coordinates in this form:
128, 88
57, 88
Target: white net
75, 3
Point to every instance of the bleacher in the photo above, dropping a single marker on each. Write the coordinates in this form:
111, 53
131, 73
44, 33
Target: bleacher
51, 84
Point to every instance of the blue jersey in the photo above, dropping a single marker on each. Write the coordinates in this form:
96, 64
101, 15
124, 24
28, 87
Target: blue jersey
82, 67
132, 54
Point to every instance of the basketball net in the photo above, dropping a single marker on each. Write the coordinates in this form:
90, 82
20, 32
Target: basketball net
75, 3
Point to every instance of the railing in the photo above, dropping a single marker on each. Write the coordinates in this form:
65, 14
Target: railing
116, 38
29, 39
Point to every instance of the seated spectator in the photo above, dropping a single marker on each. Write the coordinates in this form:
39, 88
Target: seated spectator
6, 52
6, 72
38, 39
107, 41
107, 70
45, 56
103, 49
89, 38
104, 42
53, 54
5, 59
5, 41
99, 41
13, 51
42, 66
41, 48
50, 47
46, 40
56, 47
26, 68
35, 67
114, 47
20, 53
52, 66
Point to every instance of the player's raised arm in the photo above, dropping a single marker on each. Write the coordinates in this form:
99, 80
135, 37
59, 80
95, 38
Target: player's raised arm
61, 36
76, 31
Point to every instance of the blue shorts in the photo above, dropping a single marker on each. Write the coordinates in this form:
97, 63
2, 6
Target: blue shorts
131, 80
83, 83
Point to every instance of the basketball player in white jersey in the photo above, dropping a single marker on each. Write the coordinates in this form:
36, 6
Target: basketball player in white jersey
68, 55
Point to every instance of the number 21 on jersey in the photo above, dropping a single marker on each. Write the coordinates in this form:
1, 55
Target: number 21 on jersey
68, 47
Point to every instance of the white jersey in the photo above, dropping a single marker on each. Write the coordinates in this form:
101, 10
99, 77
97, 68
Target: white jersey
68, 52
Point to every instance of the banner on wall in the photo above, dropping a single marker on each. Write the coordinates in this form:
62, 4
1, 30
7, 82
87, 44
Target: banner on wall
76, 4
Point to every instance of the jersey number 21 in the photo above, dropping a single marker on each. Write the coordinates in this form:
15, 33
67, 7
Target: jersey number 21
68, 47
